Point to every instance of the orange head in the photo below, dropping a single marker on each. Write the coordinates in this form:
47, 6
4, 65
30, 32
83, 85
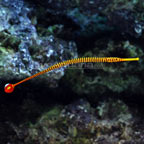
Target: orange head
9, 88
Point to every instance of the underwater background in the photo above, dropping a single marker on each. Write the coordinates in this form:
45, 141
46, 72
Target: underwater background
92, 104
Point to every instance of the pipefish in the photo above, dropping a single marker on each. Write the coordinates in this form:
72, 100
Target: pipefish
9, 88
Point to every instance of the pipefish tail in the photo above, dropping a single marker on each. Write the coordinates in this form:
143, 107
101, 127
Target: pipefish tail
9, 88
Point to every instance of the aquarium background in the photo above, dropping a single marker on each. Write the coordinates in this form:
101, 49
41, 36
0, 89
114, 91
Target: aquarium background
92, 104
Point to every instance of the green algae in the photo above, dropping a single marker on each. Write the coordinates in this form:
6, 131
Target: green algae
52, 113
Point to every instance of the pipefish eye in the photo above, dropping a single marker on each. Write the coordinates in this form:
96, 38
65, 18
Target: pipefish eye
9, 88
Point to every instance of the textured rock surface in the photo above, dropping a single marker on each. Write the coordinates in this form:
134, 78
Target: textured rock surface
115, 78
100, 15
110, 123
23, 52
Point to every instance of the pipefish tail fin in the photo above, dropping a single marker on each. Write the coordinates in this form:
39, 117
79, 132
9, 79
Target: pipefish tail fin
9, 88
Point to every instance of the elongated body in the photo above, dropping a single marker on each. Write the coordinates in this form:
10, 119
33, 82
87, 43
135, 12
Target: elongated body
10, 87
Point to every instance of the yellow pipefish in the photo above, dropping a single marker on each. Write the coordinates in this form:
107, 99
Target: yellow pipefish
10, 87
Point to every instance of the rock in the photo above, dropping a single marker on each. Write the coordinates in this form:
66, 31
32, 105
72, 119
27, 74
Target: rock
23, 52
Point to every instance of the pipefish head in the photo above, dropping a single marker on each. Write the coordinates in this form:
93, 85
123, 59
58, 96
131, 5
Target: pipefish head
9, 88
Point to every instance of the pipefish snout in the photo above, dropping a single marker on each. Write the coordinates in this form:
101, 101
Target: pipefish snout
9, 88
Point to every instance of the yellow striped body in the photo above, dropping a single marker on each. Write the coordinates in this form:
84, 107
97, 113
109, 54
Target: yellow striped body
79, 60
